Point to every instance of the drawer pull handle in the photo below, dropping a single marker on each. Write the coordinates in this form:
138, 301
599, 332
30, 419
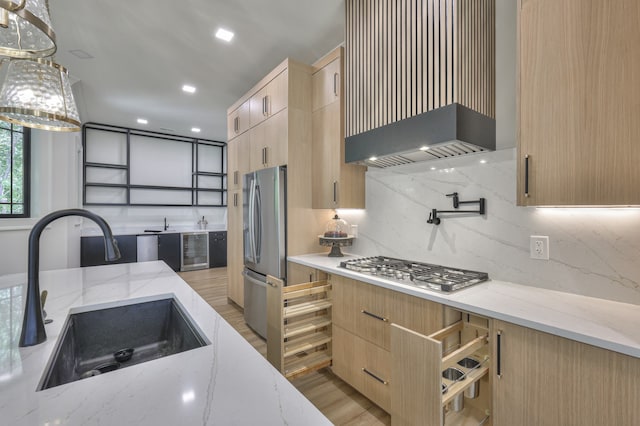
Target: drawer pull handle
526, 175
378, 317
499, 354
384, 382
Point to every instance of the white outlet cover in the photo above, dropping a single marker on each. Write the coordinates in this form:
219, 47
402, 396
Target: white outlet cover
539, 247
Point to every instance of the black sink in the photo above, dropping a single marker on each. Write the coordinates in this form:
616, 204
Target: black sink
97, 342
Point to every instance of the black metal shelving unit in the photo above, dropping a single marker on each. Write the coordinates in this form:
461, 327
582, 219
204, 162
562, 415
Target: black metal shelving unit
196, 189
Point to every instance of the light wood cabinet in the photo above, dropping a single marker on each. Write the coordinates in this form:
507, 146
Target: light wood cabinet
368, 310
420, 392
235, 256
237, 161
270, 99
297, 274
549, 380
327, 82
578, 91
335, 183
282, 136
362, 318
268, 142
365, 366
238, 121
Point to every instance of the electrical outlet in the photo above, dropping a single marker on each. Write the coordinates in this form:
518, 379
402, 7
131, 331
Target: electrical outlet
539, 247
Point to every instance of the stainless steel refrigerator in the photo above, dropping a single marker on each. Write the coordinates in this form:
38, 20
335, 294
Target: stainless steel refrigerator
264, 202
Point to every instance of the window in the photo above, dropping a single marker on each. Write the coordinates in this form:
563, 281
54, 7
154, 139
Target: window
14, 170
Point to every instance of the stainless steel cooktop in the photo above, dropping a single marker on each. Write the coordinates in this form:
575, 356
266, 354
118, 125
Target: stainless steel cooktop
423, 275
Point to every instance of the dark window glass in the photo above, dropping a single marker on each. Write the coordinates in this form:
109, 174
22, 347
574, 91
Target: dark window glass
14, 170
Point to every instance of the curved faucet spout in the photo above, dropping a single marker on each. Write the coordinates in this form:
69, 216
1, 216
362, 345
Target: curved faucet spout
33, 331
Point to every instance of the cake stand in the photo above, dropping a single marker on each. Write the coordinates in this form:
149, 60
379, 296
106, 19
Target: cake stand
335, 244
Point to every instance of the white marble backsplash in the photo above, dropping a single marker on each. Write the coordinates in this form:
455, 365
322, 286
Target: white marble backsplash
593, 251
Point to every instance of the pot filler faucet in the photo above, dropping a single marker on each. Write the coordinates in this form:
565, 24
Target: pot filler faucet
33, 331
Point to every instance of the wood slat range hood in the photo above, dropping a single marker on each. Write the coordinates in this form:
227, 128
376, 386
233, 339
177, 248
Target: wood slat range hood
420, 80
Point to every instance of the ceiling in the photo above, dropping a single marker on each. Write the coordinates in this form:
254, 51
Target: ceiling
144, 51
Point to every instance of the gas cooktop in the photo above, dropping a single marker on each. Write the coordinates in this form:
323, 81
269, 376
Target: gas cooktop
423, 275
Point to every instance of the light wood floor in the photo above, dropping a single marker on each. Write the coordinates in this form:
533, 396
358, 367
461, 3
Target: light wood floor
338, 401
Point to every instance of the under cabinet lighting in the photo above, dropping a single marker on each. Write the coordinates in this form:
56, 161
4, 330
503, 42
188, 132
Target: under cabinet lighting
143, 121
195, 129
188, 89
223, 34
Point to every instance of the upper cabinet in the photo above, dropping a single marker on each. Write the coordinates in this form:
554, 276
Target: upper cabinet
579, 91
238, 121
335, 183
269, 100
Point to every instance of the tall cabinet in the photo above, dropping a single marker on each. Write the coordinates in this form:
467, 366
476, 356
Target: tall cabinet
278, 133
579, 85
335, 184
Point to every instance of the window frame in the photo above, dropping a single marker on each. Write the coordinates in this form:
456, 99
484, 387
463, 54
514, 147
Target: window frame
26, 184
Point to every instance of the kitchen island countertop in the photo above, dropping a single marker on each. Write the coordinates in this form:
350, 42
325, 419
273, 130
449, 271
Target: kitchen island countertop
598, 322
226, 382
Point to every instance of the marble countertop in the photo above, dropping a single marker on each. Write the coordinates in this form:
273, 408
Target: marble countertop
598, 322
227, 382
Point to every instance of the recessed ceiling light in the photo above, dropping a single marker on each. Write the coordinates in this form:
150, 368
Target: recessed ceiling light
223, 34
433, 168
424, 148
142, 121
483, 161
79, 53
188, 89
195, 129
373, 158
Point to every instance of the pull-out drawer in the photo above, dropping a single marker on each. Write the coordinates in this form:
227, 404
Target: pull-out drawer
367, 311
298, 326
363, 365
437, 382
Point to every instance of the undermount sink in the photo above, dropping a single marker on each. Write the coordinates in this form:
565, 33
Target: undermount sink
99, 341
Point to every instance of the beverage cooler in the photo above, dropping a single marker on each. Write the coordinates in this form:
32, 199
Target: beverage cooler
194, 249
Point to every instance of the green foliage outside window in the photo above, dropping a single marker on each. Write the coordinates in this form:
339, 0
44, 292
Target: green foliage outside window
14, 170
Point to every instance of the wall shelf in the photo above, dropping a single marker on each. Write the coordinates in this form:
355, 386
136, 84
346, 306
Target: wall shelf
138, 168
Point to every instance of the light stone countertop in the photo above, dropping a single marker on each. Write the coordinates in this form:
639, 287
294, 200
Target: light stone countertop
225, 383
598, 322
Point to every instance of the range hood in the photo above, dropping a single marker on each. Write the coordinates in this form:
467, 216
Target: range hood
420, 80
448, 131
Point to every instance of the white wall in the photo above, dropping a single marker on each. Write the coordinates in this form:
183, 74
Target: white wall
54, 173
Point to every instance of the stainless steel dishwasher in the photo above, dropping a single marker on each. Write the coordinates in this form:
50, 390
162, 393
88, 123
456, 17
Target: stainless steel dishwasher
194, 250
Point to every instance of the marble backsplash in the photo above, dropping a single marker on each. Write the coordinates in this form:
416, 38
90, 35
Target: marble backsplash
593, 251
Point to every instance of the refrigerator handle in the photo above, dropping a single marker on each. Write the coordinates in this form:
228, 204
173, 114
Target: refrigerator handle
252, 242
259, 223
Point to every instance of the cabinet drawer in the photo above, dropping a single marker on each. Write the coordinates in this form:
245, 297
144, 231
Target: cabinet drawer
367, 311
362, 309
363, 365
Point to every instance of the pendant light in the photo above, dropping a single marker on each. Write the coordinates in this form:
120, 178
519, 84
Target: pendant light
25, 29
37, 93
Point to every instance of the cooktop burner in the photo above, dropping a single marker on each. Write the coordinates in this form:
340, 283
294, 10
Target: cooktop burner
424, 275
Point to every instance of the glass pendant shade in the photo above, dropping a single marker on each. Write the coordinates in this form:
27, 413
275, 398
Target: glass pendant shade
37, 93
25, 29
